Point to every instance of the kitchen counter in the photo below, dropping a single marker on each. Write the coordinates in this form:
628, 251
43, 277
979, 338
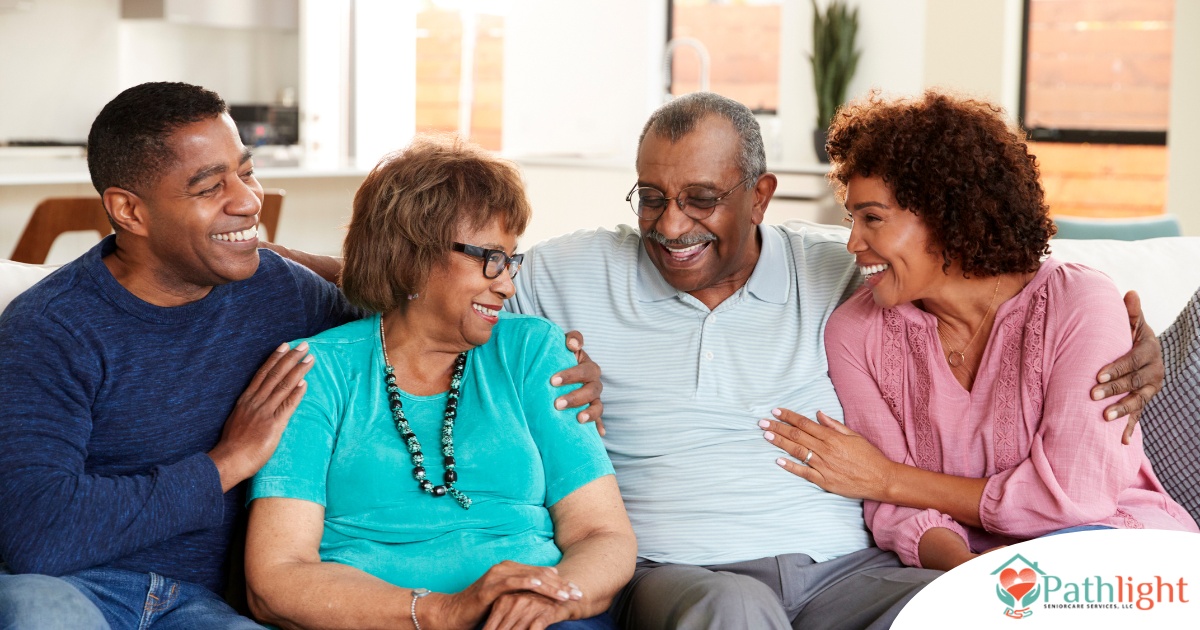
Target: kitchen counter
316, 207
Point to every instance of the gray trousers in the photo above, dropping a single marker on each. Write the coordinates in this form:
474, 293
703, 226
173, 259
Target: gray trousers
865, 589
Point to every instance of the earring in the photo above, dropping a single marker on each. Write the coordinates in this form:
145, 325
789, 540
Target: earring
413, 296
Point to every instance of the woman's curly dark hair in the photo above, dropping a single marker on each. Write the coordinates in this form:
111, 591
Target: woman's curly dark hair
956, 164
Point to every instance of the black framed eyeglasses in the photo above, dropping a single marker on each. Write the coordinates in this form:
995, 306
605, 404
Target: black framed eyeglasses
494, 260
696, 202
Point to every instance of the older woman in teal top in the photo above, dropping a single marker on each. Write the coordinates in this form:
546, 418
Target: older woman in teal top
426, 480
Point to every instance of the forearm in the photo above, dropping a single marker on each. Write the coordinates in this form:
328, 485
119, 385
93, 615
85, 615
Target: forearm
59, 522
957, 497
327, 267
942, 549
321, 595
600, 565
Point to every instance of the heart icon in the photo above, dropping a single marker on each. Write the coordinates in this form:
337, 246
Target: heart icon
1018, 584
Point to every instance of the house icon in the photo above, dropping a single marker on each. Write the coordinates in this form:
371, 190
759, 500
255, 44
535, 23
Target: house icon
1027, 563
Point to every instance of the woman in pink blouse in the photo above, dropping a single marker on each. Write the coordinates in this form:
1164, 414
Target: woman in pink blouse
966, 357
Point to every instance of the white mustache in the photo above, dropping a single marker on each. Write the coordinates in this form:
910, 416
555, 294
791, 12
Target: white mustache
686, 240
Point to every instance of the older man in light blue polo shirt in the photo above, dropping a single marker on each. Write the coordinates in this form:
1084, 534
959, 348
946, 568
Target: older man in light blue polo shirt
704, 320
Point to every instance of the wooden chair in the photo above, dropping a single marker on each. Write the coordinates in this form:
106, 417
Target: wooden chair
58, 215
268, 217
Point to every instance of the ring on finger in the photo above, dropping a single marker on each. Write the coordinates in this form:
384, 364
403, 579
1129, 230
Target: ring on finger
808, 457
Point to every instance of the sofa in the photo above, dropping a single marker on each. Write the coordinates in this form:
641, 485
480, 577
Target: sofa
1164, 271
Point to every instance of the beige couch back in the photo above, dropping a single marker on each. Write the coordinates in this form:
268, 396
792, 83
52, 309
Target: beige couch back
15, 277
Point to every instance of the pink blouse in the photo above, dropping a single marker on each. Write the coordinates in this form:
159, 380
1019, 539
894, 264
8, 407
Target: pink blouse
1028, 425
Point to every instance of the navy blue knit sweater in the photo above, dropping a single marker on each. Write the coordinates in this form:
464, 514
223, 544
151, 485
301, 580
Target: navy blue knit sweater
108, 405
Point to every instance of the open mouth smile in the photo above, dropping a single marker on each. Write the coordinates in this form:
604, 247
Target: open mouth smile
873, 274
241, 236
489, 313
686, 254
869, 270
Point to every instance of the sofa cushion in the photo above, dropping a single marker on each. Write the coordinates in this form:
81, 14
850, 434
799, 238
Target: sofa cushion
15, 277
1164, 271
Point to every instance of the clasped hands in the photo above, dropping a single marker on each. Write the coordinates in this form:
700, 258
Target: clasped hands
509, 595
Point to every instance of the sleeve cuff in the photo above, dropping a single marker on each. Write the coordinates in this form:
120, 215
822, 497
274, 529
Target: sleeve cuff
203, 503
286, 488
910, 553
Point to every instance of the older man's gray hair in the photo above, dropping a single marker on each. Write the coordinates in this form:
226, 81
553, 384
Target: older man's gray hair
679, 117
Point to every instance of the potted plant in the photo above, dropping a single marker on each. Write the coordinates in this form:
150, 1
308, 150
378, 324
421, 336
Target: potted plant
834, 60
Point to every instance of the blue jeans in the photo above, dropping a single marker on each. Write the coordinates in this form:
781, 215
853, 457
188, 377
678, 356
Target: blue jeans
111, 599
1078, 528
600, 622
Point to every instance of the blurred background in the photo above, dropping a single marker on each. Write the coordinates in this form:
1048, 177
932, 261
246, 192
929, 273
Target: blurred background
1107, 89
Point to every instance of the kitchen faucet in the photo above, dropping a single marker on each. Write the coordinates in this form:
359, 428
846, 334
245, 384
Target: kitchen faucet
700, 49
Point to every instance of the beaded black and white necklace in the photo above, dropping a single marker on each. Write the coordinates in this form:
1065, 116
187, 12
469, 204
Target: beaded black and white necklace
410, 438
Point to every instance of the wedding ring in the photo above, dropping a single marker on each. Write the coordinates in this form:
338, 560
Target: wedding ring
808, 457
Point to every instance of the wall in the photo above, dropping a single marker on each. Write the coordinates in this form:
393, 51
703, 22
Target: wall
62, 60
1183, 139
965, 46
243, 66
581, 77
58, 66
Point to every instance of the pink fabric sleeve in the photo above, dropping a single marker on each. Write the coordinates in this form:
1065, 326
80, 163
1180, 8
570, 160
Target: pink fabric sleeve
1077, 465
852, 344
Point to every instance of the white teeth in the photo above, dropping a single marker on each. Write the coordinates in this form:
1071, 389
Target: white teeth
870, 270
237, 237
486, 311
684, 250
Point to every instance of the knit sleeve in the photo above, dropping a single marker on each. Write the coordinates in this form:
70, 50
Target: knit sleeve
324, 305
57, 518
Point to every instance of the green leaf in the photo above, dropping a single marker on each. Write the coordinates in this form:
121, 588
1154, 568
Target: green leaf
834, 58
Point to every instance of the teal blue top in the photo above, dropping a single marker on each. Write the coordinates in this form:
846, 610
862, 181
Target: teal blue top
516, 456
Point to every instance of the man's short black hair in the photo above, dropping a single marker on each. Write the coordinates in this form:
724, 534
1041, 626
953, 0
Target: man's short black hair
127, 146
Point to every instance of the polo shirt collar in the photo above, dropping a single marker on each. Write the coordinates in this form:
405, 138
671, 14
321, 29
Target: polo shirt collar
768, 282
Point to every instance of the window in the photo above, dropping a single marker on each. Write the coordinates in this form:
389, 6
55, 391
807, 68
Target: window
1094, 99
460, 66
742, 42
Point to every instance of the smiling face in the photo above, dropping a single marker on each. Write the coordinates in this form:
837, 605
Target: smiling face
710, 258
892, 246
463, 302
201, 217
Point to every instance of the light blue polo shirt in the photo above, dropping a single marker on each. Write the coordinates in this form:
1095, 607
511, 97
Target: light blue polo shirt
685, 387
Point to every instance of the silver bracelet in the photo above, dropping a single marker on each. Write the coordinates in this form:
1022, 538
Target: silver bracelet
418, 593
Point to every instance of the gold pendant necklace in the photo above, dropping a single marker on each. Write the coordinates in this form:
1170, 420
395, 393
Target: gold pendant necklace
958, 358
